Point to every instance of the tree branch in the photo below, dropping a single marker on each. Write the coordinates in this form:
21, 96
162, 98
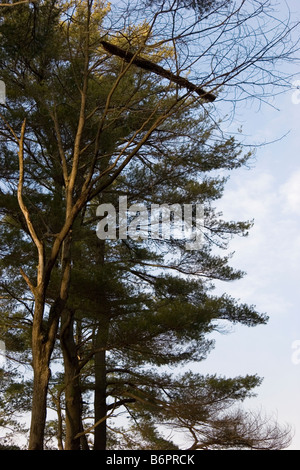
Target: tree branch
157, 69
33, 234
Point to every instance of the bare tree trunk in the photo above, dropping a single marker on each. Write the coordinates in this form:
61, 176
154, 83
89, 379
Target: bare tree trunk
43, 340
59, 435
83, 440
100, 345
39, 400
72, 383
100, 405
42, 347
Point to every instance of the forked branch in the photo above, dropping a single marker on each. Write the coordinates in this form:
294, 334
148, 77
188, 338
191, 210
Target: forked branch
25, 212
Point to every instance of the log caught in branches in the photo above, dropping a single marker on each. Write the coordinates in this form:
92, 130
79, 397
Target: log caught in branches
157, 69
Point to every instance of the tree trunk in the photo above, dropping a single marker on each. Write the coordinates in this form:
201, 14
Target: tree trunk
43, 339
40, 381
72, 383
39, 404
100, 383
100, 345
59, 435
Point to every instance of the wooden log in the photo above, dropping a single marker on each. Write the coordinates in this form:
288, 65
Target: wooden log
157, 69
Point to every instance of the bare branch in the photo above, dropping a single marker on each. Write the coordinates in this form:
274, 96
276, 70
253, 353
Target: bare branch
60, 147
157, 69
23, 207
20, 2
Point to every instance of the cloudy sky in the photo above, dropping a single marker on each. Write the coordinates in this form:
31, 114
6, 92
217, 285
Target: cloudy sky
269, 193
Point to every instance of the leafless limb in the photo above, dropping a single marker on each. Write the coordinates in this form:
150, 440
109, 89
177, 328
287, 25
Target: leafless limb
156, 69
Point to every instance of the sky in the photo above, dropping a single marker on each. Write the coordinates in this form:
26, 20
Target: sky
269, 193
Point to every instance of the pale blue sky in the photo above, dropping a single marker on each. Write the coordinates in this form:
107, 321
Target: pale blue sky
269, 193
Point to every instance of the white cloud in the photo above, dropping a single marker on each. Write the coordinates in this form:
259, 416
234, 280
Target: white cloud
290, 193
271, 254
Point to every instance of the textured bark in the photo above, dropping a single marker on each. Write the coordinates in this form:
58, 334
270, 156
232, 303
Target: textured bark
100, 405
72, 383
42, 347
101, 340
39, 402
59, 435
43, 340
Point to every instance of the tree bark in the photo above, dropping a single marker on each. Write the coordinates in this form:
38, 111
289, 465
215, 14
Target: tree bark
39, 404
42, 347
72, 382
100, 345
100, 406
59, 435
44, 334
